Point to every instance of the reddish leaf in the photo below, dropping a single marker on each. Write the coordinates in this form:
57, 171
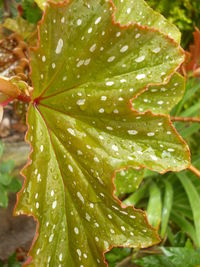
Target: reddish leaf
194, 63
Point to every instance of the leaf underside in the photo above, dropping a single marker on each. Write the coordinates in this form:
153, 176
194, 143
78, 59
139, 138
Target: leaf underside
82, 129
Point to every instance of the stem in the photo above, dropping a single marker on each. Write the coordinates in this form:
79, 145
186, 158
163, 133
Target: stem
194, 170
182, 119
126, 262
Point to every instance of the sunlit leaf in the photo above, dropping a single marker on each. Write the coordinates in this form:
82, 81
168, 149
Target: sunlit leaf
82, 130
138, 11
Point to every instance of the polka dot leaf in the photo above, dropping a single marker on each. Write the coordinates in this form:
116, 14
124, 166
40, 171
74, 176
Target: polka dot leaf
138, 11
127, 181
161, 99
83, 131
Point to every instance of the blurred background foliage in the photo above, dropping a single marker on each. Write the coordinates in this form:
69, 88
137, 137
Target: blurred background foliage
185, 14
8, 182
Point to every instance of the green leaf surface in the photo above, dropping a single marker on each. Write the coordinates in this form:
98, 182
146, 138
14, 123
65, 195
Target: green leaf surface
172, 257
20, 26
3, 197
5, 178
167, 206
185, 225
154, 208
134, 198
14, 186
116, 255
161, 99
7, 166
31, 11
140, 12
82, 130
127, 181
194, 199
43, 3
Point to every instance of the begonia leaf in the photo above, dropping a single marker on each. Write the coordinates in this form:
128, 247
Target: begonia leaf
127, 181
139, 11
82, 130
161, 99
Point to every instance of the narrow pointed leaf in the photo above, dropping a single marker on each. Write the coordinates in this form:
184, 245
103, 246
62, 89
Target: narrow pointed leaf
154, 207
167, 206
185, 225
133, 199
82, 130
194, 199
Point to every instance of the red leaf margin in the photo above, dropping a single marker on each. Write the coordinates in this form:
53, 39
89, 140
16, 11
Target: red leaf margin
35, 101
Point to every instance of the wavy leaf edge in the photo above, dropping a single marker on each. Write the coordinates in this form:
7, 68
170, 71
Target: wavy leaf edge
123, 206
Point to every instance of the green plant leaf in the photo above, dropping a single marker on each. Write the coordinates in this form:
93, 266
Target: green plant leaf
161, 99
82, 130
140, 12
194, 199
7, 166
3, 197
154, 208
14, 186
128, 181
116, 255
133, 199
31, 11
185, 225
172, 257
20, 26
5, 178
167, 206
